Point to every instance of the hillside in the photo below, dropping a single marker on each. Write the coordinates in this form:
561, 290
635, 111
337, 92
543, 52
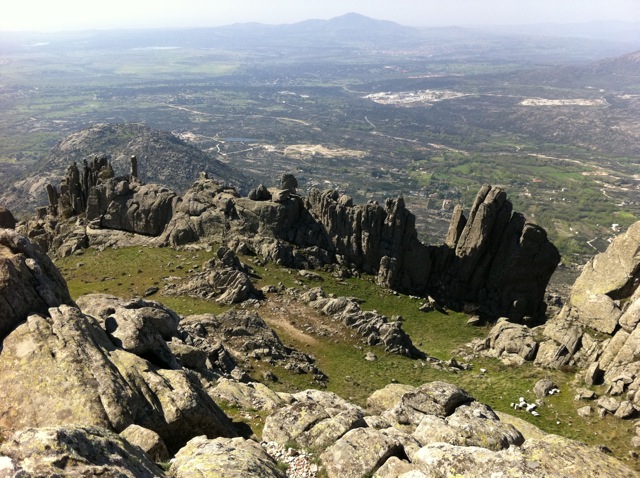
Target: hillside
163, 158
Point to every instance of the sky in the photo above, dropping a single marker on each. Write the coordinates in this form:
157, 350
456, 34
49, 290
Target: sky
65, 15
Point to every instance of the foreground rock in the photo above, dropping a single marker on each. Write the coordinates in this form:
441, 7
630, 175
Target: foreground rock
436, 429
29, 282
224, 458
89, 380
73, 451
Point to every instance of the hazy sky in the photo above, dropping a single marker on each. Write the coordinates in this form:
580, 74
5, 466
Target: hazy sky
54, 15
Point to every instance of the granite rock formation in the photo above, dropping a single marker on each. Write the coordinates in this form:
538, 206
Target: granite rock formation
494, 258
596, 331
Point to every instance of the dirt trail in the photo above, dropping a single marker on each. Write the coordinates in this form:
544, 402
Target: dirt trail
299, 321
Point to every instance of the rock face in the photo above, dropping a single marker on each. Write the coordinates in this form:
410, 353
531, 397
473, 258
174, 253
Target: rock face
29, 282
73, 451
493, 258
498, 259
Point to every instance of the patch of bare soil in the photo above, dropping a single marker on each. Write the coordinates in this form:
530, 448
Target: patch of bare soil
300, 321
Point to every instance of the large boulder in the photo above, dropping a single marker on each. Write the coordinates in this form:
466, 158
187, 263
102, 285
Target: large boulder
315, 419
360, 452
470, 425
507, 338
29, 282
137, 326
63, 368
439, 399
142, 209
224, 458
73, 451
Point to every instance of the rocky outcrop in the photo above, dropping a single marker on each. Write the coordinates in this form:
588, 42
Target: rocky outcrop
29, 282
110, 369
141, 209
222, 278
363, 235
497, 259
374, 327
596, 331
73, 451
91, 381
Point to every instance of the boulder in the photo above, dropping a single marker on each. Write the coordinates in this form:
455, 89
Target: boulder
133, 207
7, 221
439, 399
74, 451
245, 335
508, 338
138, 326
469, 425
543, 386
261, 193
360, 452
387, 397
315, 419
224, 458
150, 442
29, 282
611, 273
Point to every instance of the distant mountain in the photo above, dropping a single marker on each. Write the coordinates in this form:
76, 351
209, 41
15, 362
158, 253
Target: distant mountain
611, 74
347, 33
626, 66
162, 158
347, 30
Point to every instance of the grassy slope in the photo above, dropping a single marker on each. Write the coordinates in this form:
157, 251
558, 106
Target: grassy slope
129, 272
